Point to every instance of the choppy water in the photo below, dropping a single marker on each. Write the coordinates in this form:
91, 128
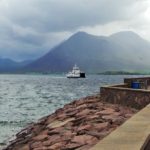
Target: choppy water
26, 98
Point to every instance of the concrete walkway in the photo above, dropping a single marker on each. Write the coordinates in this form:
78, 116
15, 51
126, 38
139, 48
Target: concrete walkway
132, 135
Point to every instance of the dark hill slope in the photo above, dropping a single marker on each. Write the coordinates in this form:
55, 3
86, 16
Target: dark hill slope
8, 65
120, 51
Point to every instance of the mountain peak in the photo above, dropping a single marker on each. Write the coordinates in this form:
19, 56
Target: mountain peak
80, 34
125, 34
84, 36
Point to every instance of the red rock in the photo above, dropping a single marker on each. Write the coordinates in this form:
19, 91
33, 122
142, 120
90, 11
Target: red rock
36, 144
37, 129
69, 109
107, 111
62, 116
50, 120
84, 127
92, 140
83, 112
100, 104
82, 139
68, 135
82, 106
79, 120
115, 119
69, 125
57, 146
45, 132
104, 133
128, 115
91, 100
72, 114
97, 120
117, 114
57, 130
79, 102
99, 113
40, 137
125, 111
116, 108
55, 139
108, 117
101, 126
95, 134
41, 148
47, 143
25, 147
93, 117
59, 111
73, 146
118, 120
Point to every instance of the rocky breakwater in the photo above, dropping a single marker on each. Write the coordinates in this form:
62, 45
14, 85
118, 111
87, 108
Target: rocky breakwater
78, 125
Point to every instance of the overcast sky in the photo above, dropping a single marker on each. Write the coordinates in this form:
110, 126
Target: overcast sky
30, 28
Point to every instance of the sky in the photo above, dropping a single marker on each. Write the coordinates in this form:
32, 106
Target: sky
30, 28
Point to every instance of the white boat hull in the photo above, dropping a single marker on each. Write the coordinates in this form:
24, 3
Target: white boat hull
75, 73
72, 76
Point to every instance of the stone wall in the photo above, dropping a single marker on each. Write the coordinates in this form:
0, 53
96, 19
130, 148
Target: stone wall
128, 80
136, 98
145, 81
124, 85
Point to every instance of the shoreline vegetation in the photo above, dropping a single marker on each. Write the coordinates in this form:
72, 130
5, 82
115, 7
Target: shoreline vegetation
124, 73
109, 72
78, 125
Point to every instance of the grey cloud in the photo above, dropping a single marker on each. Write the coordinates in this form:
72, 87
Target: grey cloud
29, 28
56, 15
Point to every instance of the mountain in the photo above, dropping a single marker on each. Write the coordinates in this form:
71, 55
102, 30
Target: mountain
120, 51
8, 65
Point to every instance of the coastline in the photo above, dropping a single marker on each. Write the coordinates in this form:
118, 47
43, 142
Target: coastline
78, 125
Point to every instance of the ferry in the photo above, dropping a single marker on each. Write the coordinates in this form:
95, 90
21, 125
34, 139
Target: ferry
75, 73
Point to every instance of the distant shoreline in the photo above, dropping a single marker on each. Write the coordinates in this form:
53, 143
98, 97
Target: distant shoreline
64, 73
123, 73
